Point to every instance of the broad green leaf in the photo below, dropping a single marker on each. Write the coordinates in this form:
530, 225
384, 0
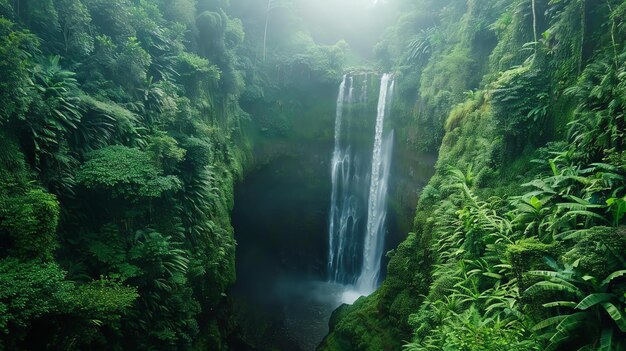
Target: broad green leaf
593, 300
586, 214
567, 326
492, 275
613, 276
548, 322
606, 340
571, 304
535, 202
616, 315
552, 286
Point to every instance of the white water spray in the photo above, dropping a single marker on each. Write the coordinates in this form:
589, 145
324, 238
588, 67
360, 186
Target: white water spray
336, 161
377, 206
355, 249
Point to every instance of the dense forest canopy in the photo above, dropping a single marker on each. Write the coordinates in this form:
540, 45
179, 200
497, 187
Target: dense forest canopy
125, 126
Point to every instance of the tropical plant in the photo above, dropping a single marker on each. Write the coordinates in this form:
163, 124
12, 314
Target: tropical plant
70, 315
589, 310
53, 115
419, 48
471, 331
74, 21
599, 126
16, 49
30, 220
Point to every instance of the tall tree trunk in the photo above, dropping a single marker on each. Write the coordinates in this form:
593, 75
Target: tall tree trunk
615, 56
583, 30
267, 21
534, 7
17, 4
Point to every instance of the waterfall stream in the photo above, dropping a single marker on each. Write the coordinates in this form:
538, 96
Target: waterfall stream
359, 194
333, 266
346, 198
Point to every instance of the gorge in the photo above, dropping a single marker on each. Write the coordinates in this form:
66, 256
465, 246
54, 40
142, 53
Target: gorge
303, 189
331, 175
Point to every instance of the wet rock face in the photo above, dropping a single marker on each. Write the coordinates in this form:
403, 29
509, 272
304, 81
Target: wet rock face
280, 218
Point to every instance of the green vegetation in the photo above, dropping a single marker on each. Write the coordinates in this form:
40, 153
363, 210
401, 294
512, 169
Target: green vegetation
124, 125
519, 237
121, 138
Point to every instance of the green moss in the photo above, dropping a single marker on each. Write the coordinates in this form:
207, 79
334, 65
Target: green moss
526, 255
380, 321
361, 326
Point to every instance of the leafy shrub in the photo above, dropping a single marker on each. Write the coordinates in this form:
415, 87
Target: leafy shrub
30, 220
127, 172
38, 292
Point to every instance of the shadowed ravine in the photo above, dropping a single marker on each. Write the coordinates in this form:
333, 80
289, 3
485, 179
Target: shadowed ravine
292, 270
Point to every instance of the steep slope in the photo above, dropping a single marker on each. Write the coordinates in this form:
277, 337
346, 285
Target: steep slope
125, 127
123, 134
498, 234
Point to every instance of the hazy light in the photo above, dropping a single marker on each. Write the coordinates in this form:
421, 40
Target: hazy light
359, 22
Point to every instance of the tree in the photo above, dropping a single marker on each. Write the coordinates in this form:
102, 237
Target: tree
74, 20
271, 5
16, 50
55, 113
36, 297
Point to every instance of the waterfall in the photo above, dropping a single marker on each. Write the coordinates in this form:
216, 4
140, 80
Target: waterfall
346, 202
377, 206
351, 90
363, 95
336, 162
358, 198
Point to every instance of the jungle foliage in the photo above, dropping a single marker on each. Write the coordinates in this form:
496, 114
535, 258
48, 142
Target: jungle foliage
121, 137
120, 141
520, 236
124, 125
120, 145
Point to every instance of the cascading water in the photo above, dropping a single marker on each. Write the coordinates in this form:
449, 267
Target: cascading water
358, 199
377, 207
363, 95
346, 198
333, 268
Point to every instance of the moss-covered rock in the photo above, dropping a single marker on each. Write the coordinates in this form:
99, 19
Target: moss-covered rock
526, 255
380, 321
